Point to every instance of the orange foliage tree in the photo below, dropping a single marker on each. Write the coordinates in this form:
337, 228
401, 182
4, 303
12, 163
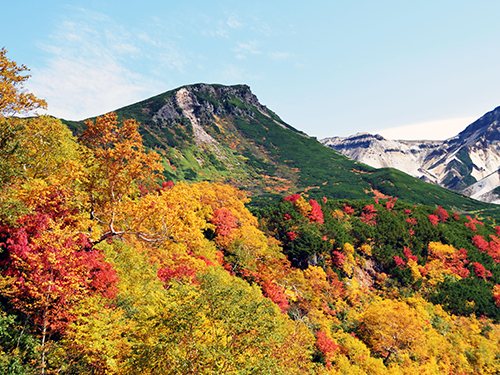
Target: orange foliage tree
117, 166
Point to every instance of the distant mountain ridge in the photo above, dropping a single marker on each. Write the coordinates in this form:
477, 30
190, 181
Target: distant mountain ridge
467, 163
224, 134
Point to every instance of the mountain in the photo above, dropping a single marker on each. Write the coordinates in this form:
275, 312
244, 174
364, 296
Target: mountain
467, 163
224, 134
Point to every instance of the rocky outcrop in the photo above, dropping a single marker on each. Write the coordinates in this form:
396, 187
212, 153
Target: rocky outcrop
188, 104
379, 152
200, 103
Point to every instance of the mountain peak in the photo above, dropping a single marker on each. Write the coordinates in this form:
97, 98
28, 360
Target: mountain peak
486, 126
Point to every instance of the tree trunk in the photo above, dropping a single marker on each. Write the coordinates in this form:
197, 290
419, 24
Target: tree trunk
44, 335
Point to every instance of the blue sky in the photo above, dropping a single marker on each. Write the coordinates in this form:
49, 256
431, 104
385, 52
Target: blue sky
329, 68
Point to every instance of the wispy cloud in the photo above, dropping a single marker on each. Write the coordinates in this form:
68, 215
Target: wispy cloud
219, 28
244, 49
233, 22
77, 90
87, 71
222, 27
279, 55
232, 74
429, 130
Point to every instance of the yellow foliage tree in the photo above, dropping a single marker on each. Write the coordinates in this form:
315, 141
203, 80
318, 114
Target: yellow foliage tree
51, 151
444, 260
13, 98
223, 325
391, 328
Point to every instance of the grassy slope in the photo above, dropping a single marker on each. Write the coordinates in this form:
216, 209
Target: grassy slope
269, 158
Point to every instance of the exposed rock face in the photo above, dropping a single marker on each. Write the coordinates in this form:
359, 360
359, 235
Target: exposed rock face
484, 190
193, 103
379, 152
218, 92
456, 163
188, 104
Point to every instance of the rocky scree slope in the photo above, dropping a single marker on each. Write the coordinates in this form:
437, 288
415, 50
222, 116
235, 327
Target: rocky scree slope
467, 163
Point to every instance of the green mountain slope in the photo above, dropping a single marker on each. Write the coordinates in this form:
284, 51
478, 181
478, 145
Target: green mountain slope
222, 133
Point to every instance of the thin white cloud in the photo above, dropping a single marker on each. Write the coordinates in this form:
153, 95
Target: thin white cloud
279, 55
221, 30
87, 72
244, 49
76, 90
231, 73
233, 23
429, 130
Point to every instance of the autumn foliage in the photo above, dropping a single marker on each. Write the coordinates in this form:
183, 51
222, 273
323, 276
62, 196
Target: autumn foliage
106, 268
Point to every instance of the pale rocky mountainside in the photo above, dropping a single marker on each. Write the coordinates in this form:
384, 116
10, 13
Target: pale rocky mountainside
467, 162
484, 190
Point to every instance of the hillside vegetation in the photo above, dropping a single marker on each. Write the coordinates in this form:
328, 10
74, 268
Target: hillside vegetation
105, 271
108, 267
254, 150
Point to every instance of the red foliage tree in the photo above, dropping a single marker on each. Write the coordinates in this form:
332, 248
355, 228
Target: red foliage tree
293, 198
327, 347
338, 258
399, 261
53, 269
316, 215
458, 264
390, 204
492, 247
472, 223
224, 220
480, 243
167, 185
434, 219
411, 221
179, 273
442, 214
480, 270
409, 255
368, 215
348, 210
291, 235
276, 294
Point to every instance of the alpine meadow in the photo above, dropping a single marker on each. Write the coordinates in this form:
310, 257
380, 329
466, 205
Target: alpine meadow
196, 232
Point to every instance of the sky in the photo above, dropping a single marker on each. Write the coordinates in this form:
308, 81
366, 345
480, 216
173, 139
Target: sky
402, 69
